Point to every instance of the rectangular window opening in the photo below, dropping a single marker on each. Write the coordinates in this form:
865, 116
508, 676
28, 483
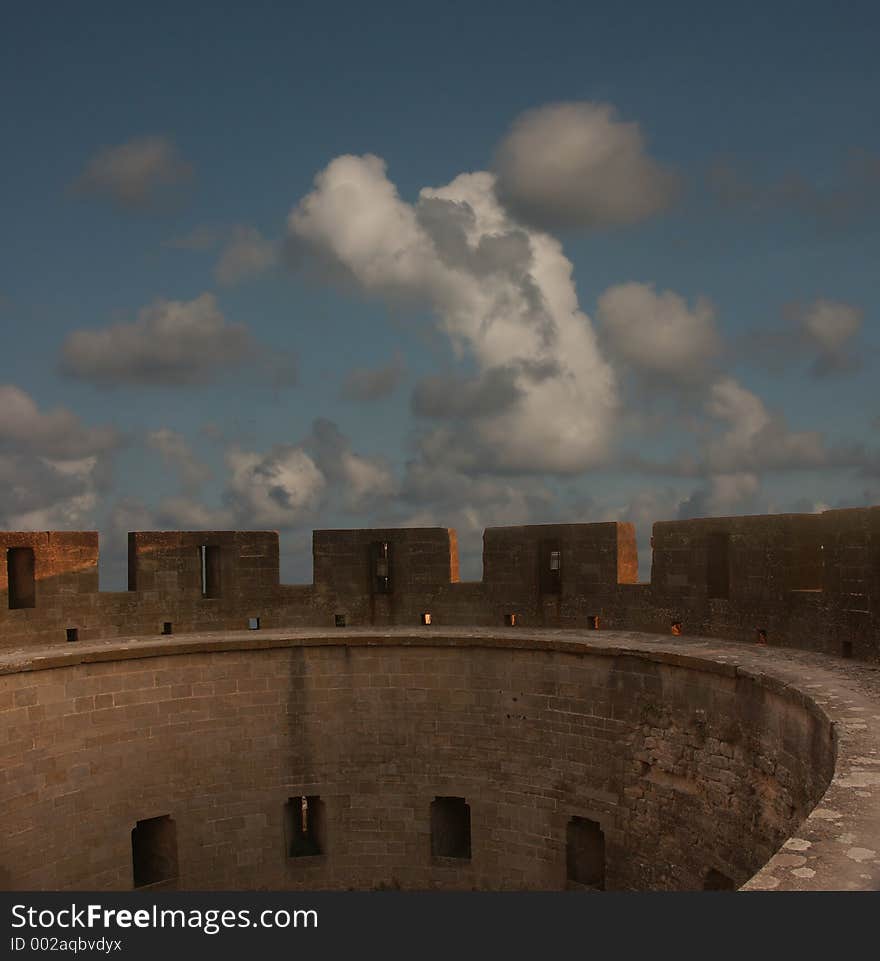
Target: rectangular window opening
21, 582
167, 627
72, 634
718, 565
154, 851
550, 573
585, 853
339, 620
450, 828
253, 623
381, 561
209, 560
304, 826
426, 618
846, 649
510, 620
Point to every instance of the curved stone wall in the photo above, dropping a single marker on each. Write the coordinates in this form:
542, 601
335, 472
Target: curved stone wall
695, 769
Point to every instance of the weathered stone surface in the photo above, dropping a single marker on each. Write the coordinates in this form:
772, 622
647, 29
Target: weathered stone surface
695, 756
807, 580
708, 768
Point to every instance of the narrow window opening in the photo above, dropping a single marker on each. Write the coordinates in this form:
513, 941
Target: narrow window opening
593, 622
339, 620
20, 577
382, 567
676, 628
550, 574
304, 826
846, 649
585, 853
154, 851
426, 618
72, 634
209, 560
716, 881
253, 623
167, 627
450, 828
718, 565
510, 620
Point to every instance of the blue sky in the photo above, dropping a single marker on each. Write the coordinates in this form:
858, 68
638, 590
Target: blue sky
198, 333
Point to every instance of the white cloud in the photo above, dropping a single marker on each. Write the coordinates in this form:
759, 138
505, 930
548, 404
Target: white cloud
40, 494
658, 333
503, 295
52, 466
366, 480
280, 488
831, 324
170, 343
830, 327
184, 513
362, 482
55, 433
128, 514
578, 165
755, 439
824, 331
131, 174
722, 494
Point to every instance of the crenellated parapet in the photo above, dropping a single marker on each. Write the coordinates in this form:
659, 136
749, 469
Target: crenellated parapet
806, 580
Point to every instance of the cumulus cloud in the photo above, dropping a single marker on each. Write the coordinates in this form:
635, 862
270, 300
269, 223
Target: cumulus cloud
658, 333
245, 254
40, 494
170, 343
184, 513
503, 296
722, 494
830, 327
824, 332
171, 513
52, 466
56, 433
755, 439
363, 482
279, 488
374, 383
129, 514
579, 165
176, 453
453, 395
132, 174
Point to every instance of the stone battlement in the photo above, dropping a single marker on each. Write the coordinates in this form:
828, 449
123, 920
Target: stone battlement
808, 580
